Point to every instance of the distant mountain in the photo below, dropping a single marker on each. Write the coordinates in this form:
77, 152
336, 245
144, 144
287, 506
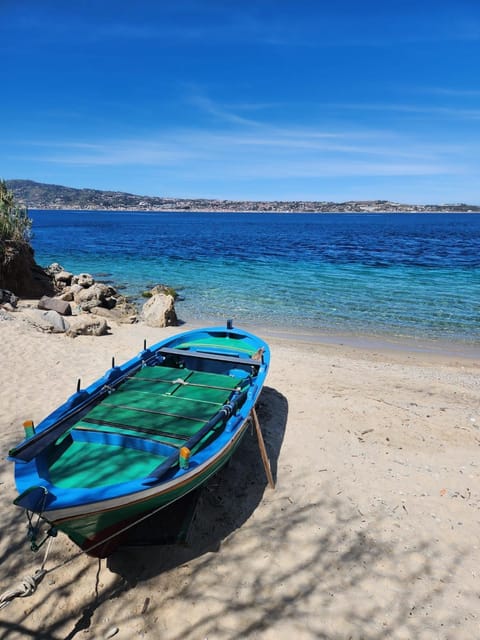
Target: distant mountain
36, 195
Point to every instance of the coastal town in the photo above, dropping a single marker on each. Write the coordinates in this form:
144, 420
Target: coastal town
38, 195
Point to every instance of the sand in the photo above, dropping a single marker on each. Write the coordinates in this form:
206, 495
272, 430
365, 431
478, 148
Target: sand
371, 531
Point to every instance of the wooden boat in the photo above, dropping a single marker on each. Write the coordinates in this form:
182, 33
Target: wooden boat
141, 437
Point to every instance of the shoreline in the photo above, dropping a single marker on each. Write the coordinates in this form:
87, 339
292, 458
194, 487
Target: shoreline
363, 341
403, 211
391, 344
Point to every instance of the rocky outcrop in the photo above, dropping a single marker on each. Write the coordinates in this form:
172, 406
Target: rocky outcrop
21, 274
83, 295
80, 306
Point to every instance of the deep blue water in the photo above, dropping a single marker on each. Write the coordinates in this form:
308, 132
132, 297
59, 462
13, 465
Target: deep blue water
405, 275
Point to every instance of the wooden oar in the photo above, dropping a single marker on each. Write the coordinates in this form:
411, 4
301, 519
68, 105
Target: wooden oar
263, 451
225, 412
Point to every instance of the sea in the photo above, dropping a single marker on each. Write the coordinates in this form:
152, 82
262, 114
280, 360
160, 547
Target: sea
384, 276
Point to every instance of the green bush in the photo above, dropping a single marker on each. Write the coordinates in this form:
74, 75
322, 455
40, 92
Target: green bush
15, 225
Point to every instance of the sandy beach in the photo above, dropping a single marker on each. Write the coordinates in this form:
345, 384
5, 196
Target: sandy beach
371, 531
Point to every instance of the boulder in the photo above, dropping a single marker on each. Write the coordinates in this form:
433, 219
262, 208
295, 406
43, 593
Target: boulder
63, 278
87, 325
5, 316
53, 269
7, 297
68, 293
125, 308
159, 311
97, 295
122, 313
83, 279
6, 306
55, 322
55, 304
76, 309
49, 321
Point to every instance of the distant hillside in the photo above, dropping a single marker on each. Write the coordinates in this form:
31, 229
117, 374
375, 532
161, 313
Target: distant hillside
37, 195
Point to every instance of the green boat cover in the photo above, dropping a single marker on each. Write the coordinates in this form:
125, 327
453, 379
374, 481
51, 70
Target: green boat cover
162, 404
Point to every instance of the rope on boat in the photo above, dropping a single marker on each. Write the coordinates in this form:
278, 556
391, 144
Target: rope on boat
25, 587
28, 584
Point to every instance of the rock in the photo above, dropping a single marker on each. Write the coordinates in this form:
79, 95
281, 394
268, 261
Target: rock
7, 306
87, 325
5, 316
116, 315
55, 304
49, 321
55, 322
159, 311
53, 269
63, 278
76, 309
88, 305
67, 295
83, 279
126, 309
7, 297
97, 295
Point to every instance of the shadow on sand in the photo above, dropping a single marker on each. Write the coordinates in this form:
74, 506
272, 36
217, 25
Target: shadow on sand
304, 563
224, 504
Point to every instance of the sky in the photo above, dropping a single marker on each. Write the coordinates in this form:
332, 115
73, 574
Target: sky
329, 100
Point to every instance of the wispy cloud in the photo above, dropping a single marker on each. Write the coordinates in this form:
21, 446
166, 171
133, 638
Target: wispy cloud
219, 112
414, 109
270, 152
117, 153
226, 148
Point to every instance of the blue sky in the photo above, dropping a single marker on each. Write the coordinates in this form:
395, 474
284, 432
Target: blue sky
244, 99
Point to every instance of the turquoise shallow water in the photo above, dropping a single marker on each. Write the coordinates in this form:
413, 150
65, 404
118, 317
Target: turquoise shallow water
403, 275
